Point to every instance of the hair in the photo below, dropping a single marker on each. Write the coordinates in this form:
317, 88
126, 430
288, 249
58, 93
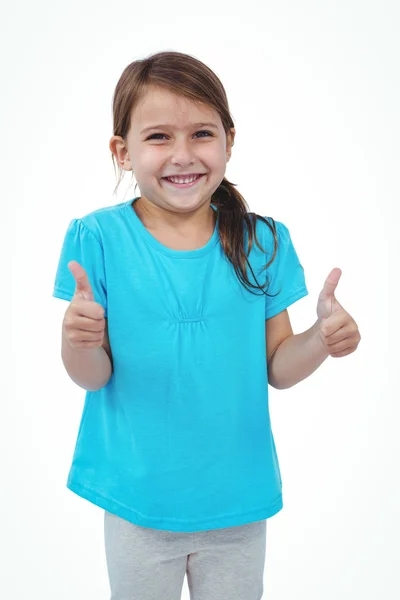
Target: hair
188, 77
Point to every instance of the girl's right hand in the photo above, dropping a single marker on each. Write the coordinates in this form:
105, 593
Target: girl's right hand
84, 322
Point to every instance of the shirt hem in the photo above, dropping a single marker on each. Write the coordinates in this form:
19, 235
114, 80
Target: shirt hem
129, 514
62, 294
274, 310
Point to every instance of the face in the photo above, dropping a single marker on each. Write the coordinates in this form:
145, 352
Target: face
177, 145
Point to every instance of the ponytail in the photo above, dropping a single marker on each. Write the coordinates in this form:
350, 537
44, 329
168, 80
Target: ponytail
233, 217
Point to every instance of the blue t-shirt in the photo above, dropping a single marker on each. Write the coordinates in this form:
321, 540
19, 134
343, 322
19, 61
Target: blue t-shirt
180, 438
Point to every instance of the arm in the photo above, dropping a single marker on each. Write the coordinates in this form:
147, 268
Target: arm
89, 368
291, 358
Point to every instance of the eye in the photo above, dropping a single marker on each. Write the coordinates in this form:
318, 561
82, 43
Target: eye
203, 131
154, 135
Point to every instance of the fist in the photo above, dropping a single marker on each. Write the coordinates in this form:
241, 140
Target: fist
84, 322
338, 330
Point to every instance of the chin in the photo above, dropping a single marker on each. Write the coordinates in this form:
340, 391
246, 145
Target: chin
187, 203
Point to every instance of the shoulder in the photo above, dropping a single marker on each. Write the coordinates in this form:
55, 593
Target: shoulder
101, 221
270, 231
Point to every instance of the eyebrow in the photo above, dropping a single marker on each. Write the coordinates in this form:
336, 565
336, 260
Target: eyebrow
165, 126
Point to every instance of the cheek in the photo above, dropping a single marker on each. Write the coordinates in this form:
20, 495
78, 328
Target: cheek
215, 157
148, 163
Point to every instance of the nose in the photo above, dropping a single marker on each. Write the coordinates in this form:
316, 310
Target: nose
182, 153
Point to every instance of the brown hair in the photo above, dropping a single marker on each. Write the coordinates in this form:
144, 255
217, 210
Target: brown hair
188, 77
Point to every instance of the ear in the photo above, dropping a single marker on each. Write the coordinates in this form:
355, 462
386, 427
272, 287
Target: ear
230, 140
118, 147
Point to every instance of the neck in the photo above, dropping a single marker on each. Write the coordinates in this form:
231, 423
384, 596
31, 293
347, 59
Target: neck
156, 218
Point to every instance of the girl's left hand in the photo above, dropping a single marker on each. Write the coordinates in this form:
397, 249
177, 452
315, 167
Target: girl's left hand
338, 331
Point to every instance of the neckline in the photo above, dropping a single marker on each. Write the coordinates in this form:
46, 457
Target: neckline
165, 249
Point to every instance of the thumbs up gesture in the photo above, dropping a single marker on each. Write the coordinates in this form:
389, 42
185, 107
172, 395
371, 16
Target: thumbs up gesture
338, 331
84, 322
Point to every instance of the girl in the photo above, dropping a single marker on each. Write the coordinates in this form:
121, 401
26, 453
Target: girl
176, 325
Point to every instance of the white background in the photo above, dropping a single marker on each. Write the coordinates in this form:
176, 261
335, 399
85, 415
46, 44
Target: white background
315, 94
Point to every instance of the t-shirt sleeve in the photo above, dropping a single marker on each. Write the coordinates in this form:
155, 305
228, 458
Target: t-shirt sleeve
82, 245
285, 274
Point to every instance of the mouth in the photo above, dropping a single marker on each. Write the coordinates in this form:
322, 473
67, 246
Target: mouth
183, 185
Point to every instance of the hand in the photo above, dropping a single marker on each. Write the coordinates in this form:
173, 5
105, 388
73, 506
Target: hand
84, 322
338, 331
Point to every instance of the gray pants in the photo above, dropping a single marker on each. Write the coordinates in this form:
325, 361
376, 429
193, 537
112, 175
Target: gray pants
150, 564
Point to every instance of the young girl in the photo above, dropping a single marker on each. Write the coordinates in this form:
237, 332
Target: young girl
176, 325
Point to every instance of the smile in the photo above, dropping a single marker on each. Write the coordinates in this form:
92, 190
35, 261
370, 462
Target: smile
187, 181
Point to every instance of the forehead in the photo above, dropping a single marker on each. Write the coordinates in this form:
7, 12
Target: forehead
161, 106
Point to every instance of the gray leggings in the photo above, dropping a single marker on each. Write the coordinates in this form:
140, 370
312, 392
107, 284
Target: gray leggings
150, 564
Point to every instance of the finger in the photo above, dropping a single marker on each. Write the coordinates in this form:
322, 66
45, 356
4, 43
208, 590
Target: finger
340, 346
339, 334
83, 287
89, 324
334, 322
331, 283
88, 309
344, 352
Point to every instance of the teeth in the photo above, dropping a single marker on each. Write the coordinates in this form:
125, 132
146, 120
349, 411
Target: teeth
180, 180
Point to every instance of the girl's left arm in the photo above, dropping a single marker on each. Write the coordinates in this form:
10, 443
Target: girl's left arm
291, 358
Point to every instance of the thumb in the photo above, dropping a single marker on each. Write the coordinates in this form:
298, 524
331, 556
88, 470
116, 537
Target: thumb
331, 283
83, 287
